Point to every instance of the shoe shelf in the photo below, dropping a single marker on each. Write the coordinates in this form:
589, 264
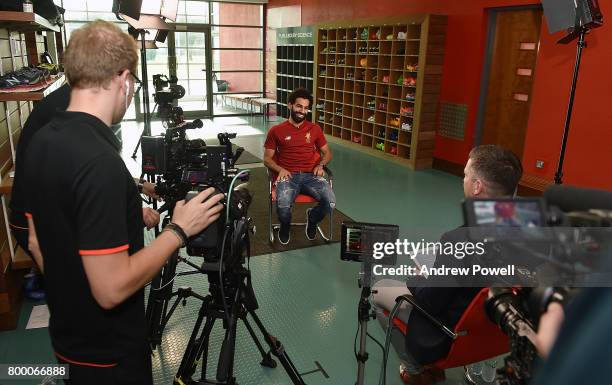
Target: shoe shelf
51, 86
377, 84
25, 21
294, 66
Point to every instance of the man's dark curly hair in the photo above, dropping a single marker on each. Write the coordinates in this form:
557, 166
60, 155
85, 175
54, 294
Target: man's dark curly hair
300, 93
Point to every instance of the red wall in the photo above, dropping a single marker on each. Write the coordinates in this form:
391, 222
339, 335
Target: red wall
590, 141
240, 14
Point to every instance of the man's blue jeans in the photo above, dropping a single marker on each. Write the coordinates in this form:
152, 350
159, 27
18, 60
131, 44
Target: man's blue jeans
304, 183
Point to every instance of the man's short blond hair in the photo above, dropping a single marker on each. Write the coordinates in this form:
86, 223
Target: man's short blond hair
97, 52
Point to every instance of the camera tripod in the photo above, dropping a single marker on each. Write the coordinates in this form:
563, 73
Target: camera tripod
241, 302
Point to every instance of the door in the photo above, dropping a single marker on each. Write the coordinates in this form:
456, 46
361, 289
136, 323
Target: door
511, 74
189, 60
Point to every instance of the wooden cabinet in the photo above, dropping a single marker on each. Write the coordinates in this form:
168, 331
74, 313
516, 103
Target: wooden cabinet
378, 83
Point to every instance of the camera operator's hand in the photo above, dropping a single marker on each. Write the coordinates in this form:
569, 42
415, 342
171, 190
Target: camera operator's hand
195, 215
548, 328
283, 175
148, 189
150, 217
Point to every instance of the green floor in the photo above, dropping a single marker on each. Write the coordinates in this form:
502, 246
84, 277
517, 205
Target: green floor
308, 298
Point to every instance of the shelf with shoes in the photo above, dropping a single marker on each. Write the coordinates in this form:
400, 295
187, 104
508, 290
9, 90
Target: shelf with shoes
295, 64
41, 90
388, 73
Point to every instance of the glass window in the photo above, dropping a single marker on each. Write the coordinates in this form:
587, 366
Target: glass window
238, 14
233, 60
237, 37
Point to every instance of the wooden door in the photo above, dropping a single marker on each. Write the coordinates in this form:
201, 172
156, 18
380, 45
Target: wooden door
511, 77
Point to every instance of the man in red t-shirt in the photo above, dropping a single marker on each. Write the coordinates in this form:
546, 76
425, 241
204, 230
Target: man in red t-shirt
296, 150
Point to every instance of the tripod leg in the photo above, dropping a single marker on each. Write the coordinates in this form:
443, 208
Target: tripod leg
161, 290
225, 366
266, 358
276, 347
194, 347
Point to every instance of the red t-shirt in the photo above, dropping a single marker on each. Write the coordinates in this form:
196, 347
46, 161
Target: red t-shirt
295, 146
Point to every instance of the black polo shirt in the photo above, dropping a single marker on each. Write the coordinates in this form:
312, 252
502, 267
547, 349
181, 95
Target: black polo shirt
43, 112
84, 201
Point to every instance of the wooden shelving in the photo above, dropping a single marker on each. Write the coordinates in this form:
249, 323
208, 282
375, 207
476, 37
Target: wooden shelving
380, 89
33, 95
294, 64
25, 21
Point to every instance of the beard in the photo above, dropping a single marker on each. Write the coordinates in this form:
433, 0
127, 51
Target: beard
297, 117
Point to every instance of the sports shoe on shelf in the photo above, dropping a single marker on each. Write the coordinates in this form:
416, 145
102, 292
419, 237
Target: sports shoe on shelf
393, 150
389, 37
407, 111
410, 96
371, 119
395, 122
22, 77
321, 105
400, 80
357, 138
381, 133
401, 35
409, 81
412, 67
324, 50
380, 146
364, 34
382, 106
406, 127
393, 136
371, 104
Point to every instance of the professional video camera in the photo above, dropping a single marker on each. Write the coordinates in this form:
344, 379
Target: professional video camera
167, 92
184, 167
567, 235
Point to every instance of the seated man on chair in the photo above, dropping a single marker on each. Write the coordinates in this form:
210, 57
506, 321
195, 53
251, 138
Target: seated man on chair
491, 172
290, 152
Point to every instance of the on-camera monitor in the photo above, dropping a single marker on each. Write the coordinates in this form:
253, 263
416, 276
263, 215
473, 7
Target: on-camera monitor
358, 239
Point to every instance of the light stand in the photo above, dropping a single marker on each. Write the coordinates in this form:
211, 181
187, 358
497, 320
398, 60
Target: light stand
145, 91
364, 314
583, 30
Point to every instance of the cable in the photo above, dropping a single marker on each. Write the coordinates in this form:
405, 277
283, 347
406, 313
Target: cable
221, 273
166, 284
377, 342
229, 193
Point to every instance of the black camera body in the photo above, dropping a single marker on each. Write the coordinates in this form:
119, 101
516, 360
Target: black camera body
182, 168
573, 227
167, 92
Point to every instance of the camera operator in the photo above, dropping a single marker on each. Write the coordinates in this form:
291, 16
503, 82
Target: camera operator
491, 171
90, 231
574, 341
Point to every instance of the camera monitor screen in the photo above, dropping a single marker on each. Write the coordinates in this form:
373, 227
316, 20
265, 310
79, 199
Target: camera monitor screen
506, 218
507, 212
358, 239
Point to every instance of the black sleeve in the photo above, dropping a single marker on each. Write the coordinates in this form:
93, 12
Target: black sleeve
100, 201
